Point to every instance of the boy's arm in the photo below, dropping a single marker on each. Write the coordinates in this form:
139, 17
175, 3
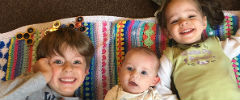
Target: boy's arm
165, 72
22, 86
43, 66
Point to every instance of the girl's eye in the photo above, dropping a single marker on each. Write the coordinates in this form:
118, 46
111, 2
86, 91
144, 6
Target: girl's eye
144, 72
76, 62
174, 21
129, 68
58, 62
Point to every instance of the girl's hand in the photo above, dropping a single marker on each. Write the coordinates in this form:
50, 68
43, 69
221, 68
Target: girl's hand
42, 65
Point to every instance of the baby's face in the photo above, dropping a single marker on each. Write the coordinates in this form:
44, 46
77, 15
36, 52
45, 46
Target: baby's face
68, 71
138, 72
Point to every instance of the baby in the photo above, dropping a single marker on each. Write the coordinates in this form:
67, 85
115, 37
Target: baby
137, 77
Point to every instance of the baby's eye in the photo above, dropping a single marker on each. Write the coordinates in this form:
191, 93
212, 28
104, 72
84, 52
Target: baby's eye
129, 68
144, 72
191, 16
76, 62
58, 62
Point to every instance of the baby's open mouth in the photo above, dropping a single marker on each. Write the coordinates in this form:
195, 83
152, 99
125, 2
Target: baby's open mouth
132, 83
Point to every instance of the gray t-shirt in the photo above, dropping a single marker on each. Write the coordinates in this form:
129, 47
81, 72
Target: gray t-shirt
29, 87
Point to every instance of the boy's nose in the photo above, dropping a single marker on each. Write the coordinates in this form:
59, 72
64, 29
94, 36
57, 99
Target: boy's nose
67, 67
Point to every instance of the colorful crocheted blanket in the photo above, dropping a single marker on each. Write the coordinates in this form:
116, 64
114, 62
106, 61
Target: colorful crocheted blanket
112, 38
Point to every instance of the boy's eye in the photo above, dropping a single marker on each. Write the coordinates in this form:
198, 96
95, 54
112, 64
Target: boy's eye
129, 68
76, 62
144, 72
58, 62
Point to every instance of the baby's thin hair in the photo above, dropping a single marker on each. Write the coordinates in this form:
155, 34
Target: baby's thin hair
147, 51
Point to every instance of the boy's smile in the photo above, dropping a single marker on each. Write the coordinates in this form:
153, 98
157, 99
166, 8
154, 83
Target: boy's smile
67, 80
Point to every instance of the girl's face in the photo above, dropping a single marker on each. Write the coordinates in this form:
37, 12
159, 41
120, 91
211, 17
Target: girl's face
185, 22
138, 72
68, 71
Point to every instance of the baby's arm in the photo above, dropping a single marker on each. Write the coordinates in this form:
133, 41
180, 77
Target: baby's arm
165, 72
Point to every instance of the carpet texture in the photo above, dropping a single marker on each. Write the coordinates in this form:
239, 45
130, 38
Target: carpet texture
17, 13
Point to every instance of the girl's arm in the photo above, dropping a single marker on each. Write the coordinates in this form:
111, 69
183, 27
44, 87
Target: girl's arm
165, 72
231, 46
22, 86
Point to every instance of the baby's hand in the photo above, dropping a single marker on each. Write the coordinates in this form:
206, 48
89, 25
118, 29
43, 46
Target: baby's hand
42, 65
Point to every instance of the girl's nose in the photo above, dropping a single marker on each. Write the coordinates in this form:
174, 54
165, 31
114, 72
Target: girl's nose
183, 22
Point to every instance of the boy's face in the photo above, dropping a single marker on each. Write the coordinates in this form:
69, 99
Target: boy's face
138, 72
185, 22
68, 71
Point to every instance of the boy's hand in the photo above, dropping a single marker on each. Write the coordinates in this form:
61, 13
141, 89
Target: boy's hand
42, 65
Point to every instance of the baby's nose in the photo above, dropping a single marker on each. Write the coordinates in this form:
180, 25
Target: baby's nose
135, 74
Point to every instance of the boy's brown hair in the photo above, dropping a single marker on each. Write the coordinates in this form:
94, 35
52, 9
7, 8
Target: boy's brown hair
54, 41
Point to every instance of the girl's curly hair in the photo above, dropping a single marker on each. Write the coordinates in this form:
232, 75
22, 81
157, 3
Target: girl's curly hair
210, 8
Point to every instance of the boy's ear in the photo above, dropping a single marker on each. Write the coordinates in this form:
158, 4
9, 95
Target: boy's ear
87, 71
155, 81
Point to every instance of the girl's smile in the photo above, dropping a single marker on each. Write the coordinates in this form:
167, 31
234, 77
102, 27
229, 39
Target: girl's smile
186, 24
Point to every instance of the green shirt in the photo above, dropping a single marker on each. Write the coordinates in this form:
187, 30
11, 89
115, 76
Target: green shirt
202, 71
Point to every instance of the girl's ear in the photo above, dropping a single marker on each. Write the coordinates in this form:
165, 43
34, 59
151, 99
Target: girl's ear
169, 36
155, 81
205, 22
167, 33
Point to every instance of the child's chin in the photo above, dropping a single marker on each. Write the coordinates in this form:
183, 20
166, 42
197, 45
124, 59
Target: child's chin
67, 92
133, 91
